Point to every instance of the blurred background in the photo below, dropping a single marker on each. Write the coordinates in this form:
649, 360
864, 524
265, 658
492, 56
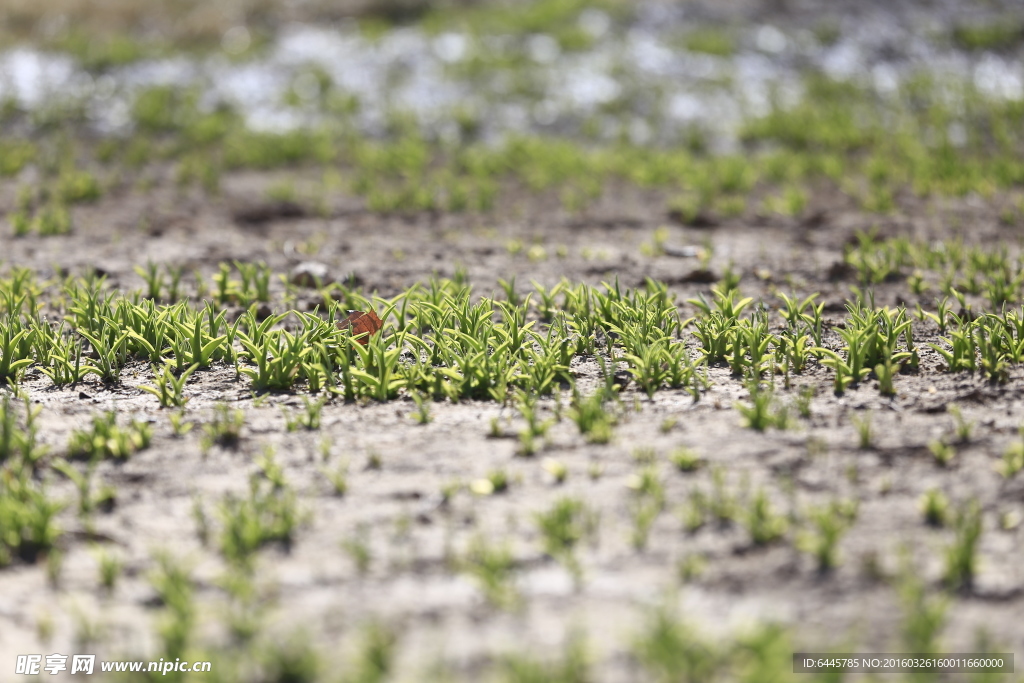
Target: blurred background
654, 71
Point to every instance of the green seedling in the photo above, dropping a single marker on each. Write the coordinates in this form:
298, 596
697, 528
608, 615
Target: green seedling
266, 515
308, 418
88, 501
761, 522
110, 567
592, 417
556, 468
685, 460
338, 478
495, 482
358, 548
224, 430
174, 587
15, 343
961, 556
763, 412
422, 413
647, 503
942, 451
562, 527
963, 428
17, 444
62, 358
571, 666
830, 523
493, 567
935, 507
670, 651
884, 373
535, 427
106, 440
803, 401
1013, 458
924, 616
169, 390
865, 432
179, 425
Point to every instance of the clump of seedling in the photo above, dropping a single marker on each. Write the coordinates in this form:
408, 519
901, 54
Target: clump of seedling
169, 389
761, 521
493, 566
173, 585
691, 567
685, 460
357, 545
422, 413
88, 500
107, 440
110, 566
961, 556
935, 507
962, 427
224, 430
179, 425
942, 451
803, 401
1013, 458
267, 514
865, 432
571, 666
670, 650
924, 616
29, 517
830, 522
763, 411
555, 468
19, 444
495, 482
15, 349
535, 427
593, 417
647, 502
308, 418
562, 527
338, 478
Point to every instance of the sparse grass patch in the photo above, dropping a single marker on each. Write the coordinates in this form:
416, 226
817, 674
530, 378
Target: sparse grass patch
562, 528
961, 555
267, 514
493, 566
107, 440
224, 430
830, 523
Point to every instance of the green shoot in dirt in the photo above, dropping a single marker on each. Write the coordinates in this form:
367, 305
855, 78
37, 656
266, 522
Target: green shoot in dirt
493, 566
107, 440
562, 528
224, 430
308, 418
935, 507
961, 555
169, 389
830, 522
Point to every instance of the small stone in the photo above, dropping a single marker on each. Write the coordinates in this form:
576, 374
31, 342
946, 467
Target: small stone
688, 251
311, 274
699, 276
